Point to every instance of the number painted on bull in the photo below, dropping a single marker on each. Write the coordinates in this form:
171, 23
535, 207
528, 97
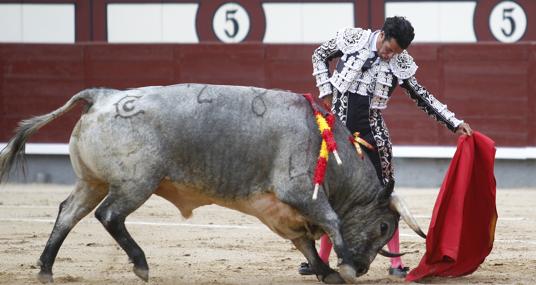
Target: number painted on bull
508, 22
258, 106
126, 108
231, 23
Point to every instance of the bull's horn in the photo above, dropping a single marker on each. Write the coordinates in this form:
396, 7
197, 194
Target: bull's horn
389, 254
397, 204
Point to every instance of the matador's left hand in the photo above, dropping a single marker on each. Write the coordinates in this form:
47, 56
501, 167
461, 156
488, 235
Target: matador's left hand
464, 129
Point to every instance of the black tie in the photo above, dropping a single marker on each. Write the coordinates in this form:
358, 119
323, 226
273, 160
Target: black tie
368, 63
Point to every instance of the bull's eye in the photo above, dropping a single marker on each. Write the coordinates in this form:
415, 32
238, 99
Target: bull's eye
383, 228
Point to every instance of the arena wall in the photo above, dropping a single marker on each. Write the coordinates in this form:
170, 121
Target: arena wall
490, 85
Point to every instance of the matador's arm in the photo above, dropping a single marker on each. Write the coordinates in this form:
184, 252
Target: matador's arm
429, 104
321, 57
404, 68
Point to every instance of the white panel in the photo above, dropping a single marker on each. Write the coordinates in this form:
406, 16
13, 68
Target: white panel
318, 28
129, 23
305, 22
179, 23
50, 23
461, 29
283, 23
434, 20
10, 23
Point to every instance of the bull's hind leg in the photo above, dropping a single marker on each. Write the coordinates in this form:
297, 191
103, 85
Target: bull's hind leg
121, 201
80, 202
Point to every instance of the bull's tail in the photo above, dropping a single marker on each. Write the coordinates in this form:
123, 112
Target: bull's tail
15, 147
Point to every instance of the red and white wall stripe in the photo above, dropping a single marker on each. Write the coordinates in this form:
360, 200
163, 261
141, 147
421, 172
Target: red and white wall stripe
267, 21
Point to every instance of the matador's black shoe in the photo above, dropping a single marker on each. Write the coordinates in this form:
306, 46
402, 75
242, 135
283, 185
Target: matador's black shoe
305, 269
399, 272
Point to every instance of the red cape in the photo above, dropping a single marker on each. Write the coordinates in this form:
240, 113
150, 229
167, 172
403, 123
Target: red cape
462, 229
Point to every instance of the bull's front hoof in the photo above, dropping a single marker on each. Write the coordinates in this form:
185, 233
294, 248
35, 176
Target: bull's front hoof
347, 273
333, 278
45, 277
143, 273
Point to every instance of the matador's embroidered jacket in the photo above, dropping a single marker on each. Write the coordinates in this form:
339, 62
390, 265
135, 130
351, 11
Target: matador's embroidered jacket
377, 82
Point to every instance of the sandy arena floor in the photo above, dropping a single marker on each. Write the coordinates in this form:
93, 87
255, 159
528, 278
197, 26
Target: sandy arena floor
221, 246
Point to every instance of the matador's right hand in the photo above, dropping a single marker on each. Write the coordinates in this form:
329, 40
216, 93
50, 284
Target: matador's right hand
327, 100
464, 129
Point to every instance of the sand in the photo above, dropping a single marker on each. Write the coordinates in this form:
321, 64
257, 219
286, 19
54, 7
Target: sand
222, 246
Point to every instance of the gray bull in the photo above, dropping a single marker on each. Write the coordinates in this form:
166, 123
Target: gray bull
249, 149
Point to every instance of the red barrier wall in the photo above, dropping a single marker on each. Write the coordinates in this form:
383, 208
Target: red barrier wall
491, 86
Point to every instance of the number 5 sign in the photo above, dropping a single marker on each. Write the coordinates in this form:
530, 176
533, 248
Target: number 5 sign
230, 21
508, 22
505, 21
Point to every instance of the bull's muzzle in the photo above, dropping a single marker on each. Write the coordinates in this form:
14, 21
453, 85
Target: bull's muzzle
396, 203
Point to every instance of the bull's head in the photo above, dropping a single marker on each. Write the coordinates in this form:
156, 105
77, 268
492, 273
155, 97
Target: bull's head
367, 229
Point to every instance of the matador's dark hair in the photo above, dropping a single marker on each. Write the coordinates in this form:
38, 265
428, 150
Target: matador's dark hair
400, 29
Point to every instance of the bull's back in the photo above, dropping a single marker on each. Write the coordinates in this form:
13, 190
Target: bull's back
227, 139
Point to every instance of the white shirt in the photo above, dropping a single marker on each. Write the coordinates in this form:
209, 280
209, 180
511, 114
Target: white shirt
372, 44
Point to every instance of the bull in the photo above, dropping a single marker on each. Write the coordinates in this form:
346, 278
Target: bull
249, 149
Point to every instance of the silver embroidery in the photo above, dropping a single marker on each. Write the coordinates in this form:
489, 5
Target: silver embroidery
350, 71
365, 82
339, 105
403, 66
383, 144
320, 66
351, 40
352, 43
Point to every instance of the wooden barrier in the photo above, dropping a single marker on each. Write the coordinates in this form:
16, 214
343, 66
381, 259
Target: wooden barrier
490, 85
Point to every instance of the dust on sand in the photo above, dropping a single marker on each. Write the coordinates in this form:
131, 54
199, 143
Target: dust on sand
221, 246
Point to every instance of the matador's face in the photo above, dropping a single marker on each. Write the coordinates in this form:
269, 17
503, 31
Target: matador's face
387, 48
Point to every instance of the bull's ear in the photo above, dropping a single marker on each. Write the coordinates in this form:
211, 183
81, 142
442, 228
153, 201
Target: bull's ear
386, 192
